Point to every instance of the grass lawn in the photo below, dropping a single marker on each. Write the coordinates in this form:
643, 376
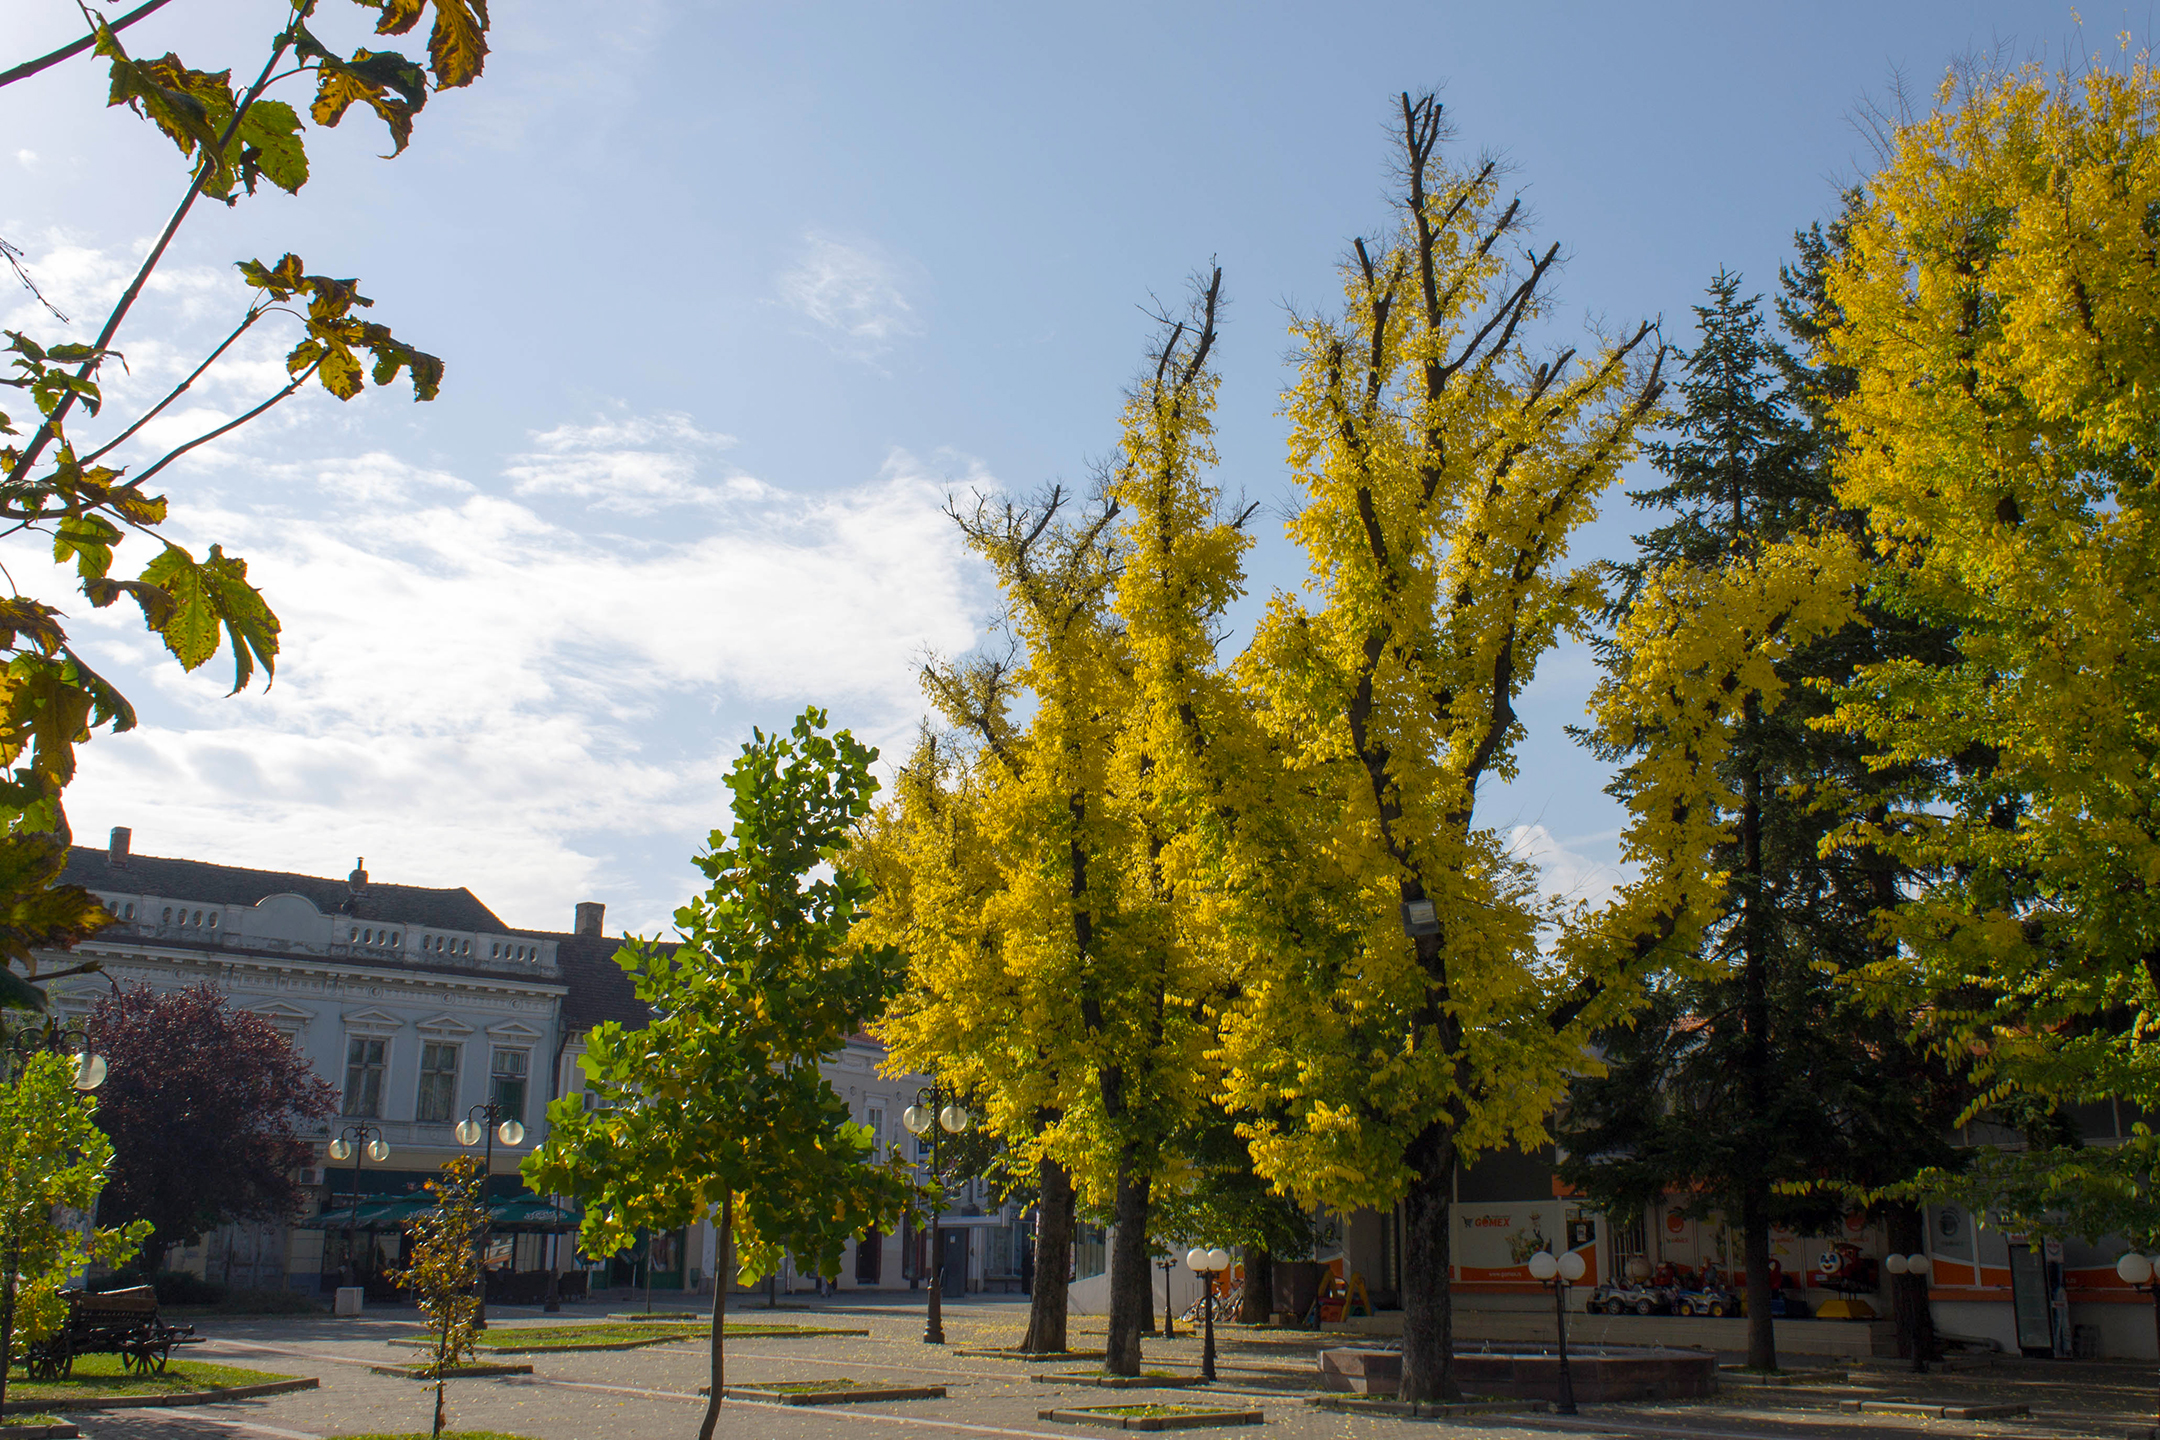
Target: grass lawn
1148, 1412
97, 1375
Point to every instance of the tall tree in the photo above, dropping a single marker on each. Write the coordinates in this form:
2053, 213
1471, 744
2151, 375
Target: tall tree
1071, 988
1745, 1049
1994, 309
1444, 467
76, 487
198, 1145
719, 1105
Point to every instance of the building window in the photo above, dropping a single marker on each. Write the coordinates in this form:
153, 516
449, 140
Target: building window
438, 1081
507, 1084
874, 1118
363, 1076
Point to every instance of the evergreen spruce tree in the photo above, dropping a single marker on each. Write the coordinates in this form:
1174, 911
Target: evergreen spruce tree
1753, 1070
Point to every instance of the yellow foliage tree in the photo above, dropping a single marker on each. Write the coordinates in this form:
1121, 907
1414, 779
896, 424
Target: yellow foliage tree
1997, 305
1444, 469
1053, 883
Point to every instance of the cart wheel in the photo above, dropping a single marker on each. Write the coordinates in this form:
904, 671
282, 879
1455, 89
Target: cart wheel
1717, 1309
1642, 1307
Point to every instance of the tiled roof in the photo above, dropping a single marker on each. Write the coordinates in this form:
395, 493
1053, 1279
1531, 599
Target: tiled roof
457, 909
599, 988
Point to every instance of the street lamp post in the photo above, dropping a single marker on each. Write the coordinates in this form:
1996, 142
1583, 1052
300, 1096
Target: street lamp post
1208, 1264
1560, 1272
1919, 1267
18, 1049
2142, 1272
1169, 1268
358, 1143
488, 1121
932, 1112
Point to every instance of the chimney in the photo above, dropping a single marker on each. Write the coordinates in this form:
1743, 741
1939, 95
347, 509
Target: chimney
358, 879
589, 915
117, 850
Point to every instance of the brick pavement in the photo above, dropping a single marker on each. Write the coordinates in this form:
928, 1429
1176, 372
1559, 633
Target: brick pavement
650, 1394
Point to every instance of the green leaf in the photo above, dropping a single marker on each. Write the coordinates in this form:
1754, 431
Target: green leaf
269, 146
249, 623
367, 78
90, 539
17, 993
190, 631
283, 280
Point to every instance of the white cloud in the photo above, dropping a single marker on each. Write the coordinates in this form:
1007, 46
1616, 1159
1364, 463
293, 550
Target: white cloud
28, 159
471, 693
853, 293
633, 465
1571, 870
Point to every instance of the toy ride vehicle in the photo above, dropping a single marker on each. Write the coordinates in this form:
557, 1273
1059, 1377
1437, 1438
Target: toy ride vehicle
1714, 1300
1628, 1299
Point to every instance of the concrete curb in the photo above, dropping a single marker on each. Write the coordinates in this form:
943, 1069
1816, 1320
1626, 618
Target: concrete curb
41, 1432
139, 1402
459, 1372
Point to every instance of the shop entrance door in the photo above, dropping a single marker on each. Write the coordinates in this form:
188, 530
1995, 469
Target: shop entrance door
2029, 1299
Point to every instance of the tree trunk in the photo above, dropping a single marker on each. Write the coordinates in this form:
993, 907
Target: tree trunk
1046, 1332
1905, 1230
1259, 1295
1755, 1036
723, 1273
1755, 1254
1428, 1367
151, 1257
1131, 1296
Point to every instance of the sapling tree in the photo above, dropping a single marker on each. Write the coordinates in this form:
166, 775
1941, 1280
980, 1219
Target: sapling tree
53, 1160
443, 1275
718, 1104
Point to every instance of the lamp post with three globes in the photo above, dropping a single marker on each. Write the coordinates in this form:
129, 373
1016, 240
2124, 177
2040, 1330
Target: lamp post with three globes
1560, 1272
935, 1111
488, 1121
1208, 1264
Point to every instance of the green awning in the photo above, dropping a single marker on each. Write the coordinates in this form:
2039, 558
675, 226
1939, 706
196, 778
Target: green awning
530, 1212
393, 1213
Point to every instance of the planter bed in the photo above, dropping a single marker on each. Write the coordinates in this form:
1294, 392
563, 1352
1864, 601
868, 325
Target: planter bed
170, 1397
1151, 1417
978, 1352
1741, 1375
1935, 1410
455, 1372
1424, 1409
1147, 1380
826, 1392
39, 1427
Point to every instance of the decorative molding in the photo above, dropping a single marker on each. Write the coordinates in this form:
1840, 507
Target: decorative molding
372, 1022
445, 1027
512, 1031
286, 1018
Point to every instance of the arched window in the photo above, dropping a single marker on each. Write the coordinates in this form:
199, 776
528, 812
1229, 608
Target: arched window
168, 916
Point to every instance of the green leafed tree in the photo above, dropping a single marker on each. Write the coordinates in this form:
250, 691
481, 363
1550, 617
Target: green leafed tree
718, 1104
80, 475
53, 1160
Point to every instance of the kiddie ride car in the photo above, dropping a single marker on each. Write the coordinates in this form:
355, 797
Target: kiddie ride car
1631, 1298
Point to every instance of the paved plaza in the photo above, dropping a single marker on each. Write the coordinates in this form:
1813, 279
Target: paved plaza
650, 1394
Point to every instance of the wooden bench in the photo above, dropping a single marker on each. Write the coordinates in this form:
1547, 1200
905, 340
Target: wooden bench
118, 1322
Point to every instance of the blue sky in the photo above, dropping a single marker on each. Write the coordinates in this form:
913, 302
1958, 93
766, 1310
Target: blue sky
732, 295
